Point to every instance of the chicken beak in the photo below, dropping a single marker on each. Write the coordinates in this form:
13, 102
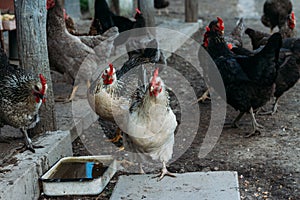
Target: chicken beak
151, 88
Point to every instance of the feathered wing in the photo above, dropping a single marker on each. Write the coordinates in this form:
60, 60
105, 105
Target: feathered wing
235, 37
94, 41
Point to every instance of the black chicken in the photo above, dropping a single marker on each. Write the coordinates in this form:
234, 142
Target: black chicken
161, 4
233, 40
248, 80
104, 19
289, 70
289, 63
275, 13
21, 96
259, 38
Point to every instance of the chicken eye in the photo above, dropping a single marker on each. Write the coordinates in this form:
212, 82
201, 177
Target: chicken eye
36, 88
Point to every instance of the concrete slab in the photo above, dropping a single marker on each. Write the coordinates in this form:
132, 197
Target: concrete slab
197, 185
20, 179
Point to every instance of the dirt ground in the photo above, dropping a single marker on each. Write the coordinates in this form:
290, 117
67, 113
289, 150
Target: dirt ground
268, 164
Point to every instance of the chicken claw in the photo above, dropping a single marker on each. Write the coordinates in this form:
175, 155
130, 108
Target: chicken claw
204, 96
236, 120
164, 172
29, 147
271, 112
121, 148
28, 143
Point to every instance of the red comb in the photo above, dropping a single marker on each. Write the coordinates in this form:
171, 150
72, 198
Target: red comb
65, 14
44, 83
293, 15
205, 37
292, 21
138, 11
50, 4
221, 23
111, 71
155, 74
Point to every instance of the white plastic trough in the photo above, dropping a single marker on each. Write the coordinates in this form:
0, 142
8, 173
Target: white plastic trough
80, 185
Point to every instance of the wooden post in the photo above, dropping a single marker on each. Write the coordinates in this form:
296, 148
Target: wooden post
33, 52
191, 10
115, 6
147, 8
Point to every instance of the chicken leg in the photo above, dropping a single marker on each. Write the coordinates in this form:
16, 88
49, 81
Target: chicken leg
117, 137
72, 96
141, 168
256, 126
273, 111
28, 145
236, 120
204, 96
164, 172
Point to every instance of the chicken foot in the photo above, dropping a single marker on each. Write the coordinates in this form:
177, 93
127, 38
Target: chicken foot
166, 10
117, 137
73, 93
164, 172
28, 145
72, 96
255, 126
204, 96
273, 110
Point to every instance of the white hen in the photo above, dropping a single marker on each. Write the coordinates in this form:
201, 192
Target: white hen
151, 125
